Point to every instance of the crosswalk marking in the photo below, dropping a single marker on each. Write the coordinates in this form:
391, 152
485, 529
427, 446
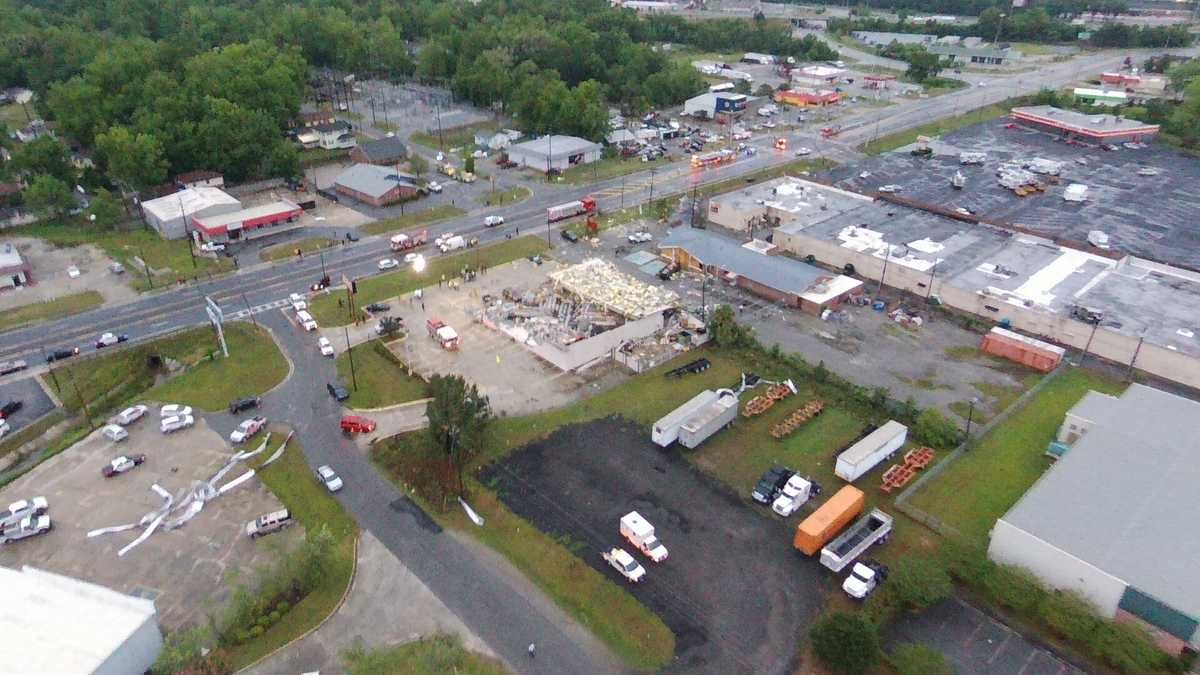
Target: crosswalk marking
259, 309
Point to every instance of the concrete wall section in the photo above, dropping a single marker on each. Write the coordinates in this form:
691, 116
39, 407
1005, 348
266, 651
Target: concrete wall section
1013, 546
585, 353
137, 653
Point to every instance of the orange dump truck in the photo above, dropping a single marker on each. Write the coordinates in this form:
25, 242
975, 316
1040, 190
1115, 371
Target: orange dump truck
816, 530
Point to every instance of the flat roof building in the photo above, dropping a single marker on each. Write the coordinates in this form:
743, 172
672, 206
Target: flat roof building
56, 624
554, 152
376, 185
171, 214
711, 104
248, 223
1114, 518
978, 55
14, 269
1093, 128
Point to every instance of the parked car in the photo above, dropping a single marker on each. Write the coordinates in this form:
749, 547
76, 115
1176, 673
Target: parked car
10, 407
130, 415
326, 346
238, 405
266, 524
60, 354
327, 477
115, 432
337, 391
26, 527
307, 322
376, 307
624, 564
24, 507
212, 247
570, 236
434, 186
493, 221
639, 237
122, 464
175, 423
174, 410
803, 152
771, 484
388, 264
9, 367
299, 305
351, 424
248, 428
351, 236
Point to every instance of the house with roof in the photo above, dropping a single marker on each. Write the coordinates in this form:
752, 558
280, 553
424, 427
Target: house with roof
389, 150
376, 185
336, 135
1115, 517
757, 267
172, 215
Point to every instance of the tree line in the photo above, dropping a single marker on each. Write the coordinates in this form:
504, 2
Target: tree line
1067, 8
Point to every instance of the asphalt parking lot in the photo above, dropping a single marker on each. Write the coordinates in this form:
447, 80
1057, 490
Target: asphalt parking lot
36, 402
188, 572
734, 591
974, 642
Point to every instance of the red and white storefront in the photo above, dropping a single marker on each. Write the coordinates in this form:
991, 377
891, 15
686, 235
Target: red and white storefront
1088, 128
248, 223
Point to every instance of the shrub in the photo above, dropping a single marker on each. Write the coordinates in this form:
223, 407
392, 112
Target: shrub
275, 616
934, 430
965, 560
1014, 587
919, 581
181, 651
283, 607
913, 658
1129, 649
1070, 615
257, 631
847, 643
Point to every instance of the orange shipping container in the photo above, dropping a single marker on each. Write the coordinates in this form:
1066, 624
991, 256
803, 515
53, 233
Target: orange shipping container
824, 523
1036, 354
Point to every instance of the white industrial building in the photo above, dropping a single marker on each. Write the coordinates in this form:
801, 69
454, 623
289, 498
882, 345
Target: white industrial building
169, 214
708, 105
554, 152
56, 624
1115, 517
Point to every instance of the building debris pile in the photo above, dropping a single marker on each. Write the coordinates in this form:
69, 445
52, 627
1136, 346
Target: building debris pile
600, 283
176, 511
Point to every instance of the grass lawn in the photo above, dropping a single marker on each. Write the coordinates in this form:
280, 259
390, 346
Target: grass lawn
942, 85
322, 156
510, 196
22, 436
379, 287
898, 140
110, 379
288, 250
13, 115
987, 480
453, 137
608, 168
408, 220
431, 654
382, 378
169, 259
292, 482
50, 309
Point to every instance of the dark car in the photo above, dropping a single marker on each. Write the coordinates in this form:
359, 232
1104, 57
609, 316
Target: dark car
337, 391
771, 483
351, 236
321, 284
9, 408
570, 236
238, 405
376, 307
60, 354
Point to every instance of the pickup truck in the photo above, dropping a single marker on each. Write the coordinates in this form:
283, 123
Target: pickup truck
26, 527
625, 564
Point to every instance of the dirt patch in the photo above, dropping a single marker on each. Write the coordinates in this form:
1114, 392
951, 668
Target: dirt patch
49, 267
734, 591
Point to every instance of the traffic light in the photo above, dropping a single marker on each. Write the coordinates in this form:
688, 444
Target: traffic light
353, 287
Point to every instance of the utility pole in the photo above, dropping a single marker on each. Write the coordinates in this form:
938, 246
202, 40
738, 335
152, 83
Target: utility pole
249, 312
441, 139
622, 191
350, 354
548, 244
86, 413
53, 377
145, 266
322, 256
887, 254
929, 290
1138, 349
191, 241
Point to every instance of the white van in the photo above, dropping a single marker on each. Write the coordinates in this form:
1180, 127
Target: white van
453, 244
306, 320
115, 433
272, 522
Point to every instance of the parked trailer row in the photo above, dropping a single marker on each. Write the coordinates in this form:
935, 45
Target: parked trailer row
864, 455
710, 419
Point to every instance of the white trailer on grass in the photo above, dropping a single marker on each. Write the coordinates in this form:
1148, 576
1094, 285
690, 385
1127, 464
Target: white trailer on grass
666, 430
871, 528
870, 451
708, 420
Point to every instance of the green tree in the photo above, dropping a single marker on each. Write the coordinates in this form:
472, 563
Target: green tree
742, 86
48, 196
922, 65
1182, 74
725, 330
919, 581
233, 139
134, 161
469, 164
105, 211
45, 155
256, 76
389, 326
847, 643
1184, 122
458, 417
182, 652
933, 429
417, 164
914, 658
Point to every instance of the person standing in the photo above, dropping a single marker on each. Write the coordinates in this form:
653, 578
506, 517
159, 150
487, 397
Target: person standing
532, 650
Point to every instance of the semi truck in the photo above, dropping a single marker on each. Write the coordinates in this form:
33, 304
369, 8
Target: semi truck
666, 430
709, 419
871, 528
816, 530
870, 451
404, 242
563, 211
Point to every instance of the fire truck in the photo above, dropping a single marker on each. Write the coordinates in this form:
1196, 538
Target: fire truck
403, 242
713, 158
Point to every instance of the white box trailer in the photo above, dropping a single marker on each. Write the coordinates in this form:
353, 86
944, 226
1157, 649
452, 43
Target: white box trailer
666, 430
870, 529
709, 419
870, 451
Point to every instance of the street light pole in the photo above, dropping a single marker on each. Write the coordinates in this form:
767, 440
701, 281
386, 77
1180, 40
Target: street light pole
350, 355
970, 416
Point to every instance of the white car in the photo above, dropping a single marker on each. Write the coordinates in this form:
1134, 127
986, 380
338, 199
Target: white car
624, 563
212, 247
115, 433
306, 320
410, 257
326, 477
174, 410
434, 186
889, 188
493, 221
803, 152
248, 428
326, 346
299, 306
176, 422
130, 415
769, 125
109, 339
443, 239
4, 428
640, 237
388, 264
297, 297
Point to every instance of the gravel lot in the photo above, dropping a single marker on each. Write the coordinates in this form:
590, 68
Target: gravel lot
734, 591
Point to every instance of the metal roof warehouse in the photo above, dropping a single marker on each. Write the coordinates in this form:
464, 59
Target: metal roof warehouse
239, 223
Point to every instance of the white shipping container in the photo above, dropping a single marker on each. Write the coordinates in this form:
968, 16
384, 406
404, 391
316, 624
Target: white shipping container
709, 419
870, 451
666, 430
